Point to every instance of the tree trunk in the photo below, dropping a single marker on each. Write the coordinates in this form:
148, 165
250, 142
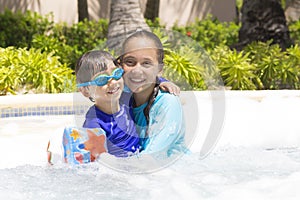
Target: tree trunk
152, 9
125, 18
82, 10
263, 20
292, 10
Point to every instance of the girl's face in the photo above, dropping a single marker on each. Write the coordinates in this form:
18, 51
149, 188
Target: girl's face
140, 65
109, 92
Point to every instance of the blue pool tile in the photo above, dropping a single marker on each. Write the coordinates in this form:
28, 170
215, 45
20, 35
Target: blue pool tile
43, 110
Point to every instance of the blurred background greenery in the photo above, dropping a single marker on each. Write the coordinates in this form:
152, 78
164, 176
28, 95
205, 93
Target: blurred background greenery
39, 55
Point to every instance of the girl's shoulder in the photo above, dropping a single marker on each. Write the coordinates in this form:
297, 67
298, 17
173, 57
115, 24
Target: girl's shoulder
166, 96
167, 100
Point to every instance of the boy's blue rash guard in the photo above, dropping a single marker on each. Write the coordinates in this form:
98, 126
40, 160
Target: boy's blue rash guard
121, 134
166, 125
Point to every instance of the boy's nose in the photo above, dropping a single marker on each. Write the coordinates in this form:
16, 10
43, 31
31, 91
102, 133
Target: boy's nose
111, 82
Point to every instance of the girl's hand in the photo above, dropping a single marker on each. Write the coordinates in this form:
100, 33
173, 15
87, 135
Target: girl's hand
170, 87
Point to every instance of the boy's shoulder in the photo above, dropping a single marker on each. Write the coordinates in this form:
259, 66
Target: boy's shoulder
125, 98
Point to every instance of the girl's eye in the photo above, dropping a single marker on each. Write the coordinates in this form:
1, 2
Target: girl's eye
147, 64
130, 62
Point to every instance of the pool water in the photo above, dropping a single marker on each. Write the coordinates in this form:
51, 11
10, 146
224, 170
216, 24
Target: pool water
226, 174
229, 172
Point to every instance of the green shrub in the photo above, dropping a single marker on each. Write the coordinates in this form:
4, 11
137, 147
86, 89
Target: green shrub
65, 53
84, 35
32, 70
235, 67
276, 69
294, 28
258, 66
156, 23
211, 33
17, 29
186, 63
70, 42
180, 69
291, 68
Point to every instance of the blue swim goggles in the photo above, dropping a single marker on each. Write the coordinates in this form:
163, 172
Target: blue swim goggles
103, 79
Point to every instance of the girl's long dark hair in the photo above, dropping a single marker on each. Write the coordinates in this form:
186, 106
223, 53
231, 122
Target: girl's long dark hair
151, 101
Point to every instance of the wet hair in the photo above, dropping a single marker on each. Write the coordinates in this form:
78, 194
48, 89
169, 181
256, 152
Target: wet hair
146, 35
91, 63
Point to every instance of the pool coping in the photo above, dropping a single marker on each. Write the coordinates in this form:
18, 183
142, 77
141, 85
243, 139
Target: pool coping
75, 103
43, 104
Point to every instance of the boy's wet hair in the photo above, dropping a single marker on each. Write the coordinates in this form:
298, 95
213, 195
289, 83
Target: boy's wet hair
91, 63
146, 35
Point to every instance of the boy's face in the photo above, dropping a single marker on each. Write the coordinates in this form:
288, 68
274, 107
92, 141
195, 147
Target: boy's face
109, 92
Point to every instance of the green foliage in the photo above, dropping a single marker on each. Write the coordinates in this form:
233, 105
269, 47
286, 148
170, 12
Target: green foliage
17, 29
70, 42
275, 68
239, 4
156, 23
186, 63
283, 3
32, 70
258, 66
268, 58
235, 68
84, 35
291, 67
211, 33
64, 52
294, 28
65, 41
180, 69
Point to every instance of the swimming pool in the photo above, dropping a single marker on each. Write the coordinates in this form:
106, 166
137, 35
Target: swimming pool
257, 156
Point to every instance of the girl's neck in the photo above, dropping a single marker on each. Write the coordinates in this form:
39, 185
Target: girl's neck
142, 97
108, 107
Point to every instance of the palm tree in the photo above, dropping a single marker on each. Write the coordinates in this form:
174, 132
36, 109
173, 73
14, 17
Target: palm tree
263, 20
82, 10
125, 17
292, 10
152, 9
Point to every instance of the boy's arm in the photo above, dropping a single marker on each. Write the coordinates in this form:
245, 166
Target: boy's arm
168, 86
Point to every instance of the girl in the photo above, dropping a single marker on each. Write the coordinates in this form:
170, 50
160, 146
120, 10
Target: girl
158, 115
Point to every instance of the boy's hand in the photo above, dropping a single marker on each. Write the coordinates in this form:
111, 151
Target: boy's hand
170, 87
